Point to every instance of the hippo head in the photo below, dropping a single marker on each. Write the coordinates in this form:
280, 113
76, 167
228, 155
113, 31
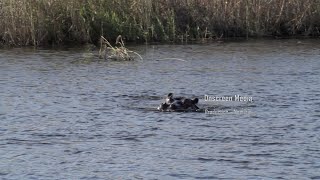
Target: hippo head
190, 104
178, 104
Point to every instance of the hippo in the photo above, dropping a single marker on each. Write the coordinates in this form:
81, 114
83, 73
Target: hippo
178, 104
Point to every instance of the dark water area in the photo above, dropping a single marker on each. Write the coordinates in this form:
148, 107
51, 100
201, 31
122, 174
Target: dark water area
65, 114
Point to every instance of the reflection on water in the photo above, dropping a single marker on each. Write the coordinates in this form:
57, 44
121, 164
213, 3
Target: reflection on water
67, 115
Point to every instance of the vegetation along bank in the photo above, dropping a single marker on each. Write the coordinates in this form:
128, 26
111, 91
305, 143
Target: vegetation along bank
46, 22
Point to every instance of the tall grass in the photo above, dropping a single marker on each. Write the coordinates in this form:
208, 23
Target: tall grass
43, 22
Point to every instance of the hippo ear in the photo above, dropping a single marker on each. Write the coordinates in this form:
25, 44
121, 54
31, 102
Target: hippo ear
195, 100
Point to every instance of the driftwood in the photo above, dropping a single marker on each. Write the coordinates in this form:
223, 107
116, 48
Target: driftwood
120, 53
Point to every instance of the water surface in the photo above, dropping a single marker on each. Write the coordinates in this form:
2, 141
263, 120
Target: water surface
65, 114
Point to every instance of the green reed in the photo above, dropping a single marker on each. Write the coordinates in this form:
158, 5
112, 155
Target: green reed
44, 22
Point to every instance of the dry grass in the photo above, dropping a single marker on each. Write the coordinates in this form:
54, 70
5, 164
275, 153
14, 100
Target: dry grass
120, 53
42, 22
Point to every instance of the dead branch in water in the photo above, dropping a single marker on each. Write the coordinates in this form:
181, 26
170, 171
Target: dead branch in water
107, 51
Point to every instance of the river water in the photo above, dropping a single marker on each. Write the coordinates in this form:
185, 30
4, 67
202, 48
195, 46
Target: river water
65, 114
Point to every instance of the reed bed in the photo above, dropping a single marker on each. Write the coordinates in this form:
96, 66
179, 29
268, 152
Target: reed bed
45, 22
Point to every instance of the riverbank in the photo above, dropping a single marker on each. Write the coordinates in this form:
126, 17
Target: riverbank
58, 22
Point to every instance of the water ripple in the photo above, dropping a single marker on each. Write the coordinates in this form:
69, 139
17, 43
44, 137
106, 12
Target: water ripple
66, 117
